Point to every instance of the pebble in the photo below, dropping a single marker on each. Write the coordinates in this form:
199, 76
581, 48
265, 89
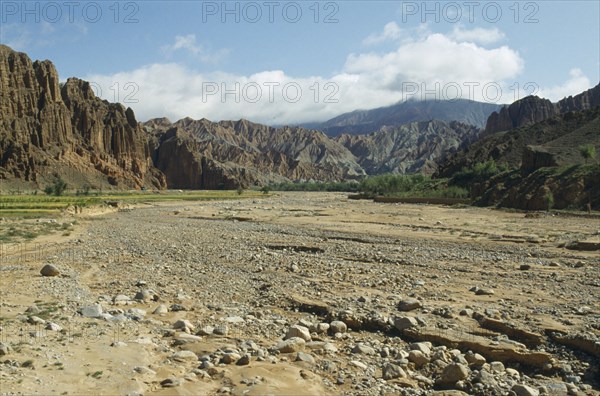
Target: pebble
294, 344
524, 390
49, 270
91, 311
409, 304
337, 326
453, 373
298, 331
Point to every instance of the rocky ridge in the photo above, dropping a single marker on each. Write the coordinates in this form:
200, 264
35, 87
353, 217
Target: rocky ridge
47, 129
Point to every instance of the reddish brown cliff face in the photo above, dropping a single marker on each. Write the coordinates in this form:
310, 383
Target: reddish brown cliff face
46, 129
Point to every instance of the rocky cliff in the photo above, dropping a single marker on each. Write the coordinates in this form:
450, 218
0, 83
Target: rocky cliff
46, 129
409, 148
533, 109
553, 141
228, 154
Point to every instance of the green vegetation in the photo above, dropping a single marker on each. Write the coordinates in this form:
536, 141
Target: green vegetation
57, 187
349, 186
588, 152
480, 172
417, 185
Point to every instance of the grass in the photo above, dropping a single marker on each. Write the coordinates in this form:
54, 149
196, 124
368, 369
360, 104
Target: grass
32, 206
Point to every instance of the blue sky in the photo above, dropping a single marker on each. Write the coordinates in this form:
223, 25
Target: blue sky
288, 62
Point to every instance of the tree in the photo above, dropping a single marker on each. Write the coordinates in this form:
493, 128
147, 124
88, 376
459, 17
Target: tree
265, 190
588, 152
57, 187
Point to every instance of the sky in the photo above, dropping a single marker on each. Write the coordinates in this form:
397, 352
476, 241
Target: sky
289, 62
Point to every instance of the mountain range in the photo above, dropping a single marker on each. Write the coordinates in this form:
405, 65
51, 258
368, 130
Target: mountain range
360, 122
49, 129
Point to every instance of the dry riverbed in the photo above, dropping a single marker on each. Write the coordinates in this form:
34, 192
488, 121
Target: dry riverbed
303, 293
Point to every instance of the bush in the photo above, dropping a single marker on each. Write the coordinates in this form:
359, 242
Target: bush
57, 187
480, 172
588, 152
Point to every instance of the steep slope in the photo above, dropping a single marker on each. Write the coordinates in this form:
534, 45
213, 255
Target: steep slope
367, 121
559, 136
409, 148
533, 109
227, 154
47, 130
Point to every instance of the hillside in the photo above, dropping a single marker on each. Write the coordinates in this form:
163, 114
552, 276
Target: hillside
227, 154
560, 135
367, 121
410, 148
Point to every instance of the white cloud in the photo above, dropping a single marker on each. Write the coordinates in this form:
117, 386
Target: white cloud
477, 35
198, 51
575, 84
436, 63
391, 31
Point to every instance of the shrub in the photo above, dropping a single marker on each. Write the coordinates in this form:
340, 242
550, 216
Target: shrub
57, 187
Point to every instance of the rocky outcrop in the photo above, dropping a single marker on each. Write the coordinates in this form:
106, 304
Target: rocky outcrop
560, 137
228, 154
47, 129
367, 121
549, 188
526, 111
533, 109
410, 148
536, 157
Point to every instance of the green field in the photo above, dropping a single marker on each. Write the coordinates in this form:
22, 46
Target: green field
20, 213
36, 205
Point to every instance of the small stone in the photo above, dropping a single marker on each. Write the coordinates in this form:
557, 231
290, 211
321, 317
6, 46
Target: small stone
184, 325
230, 358
305, 357
475, 359
497, 367
91, 311
513, 373
405, 322
298, 331
221, 330
160, 310
53, 327
121, 299
453, 373
409, 304
418, 358
184, 356
359, 364
525, 267
484, 292
524, 390
49, 270
36, 320
146, 295
294, 344
171, 382
206, 330
424, 347
244, 360
322, 328
363, 348
337, 326
392, 371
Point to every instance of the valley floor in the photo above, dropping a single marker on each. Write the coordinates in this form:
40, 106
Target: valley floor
417, 286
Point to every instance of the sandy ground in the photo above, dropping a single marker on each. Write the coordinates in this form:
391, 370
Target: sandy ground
247, 263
